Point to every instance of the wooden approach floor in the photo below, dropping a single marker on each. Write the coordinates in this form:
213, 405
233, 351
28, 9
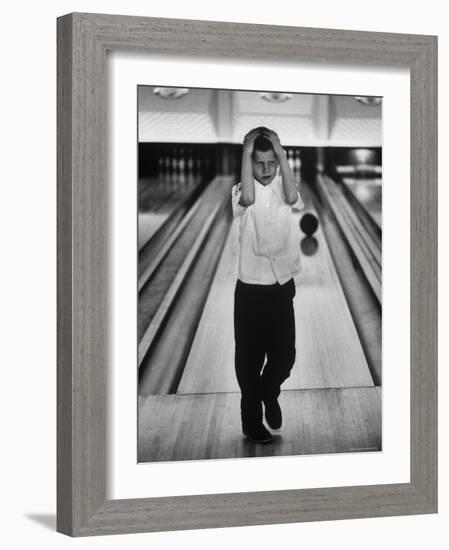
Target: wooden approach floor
204, 426
330, 403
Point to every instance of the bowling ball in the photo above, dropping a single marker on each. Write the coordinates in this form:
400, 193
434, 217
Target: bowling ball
309, 246
308, 223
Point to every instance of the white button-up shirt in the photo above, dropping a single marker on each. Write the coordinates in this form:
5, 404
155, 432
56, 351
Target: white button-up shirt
269, 235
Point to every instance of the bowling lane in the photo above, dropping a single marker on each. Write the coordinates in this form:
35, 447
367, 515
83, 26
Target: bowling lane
157, 200
329, 354
149, 223
369, 193
210, 365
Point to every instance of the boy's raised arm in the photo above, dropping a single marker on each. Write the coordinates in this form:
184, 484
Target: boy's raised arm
247, 196
288, 179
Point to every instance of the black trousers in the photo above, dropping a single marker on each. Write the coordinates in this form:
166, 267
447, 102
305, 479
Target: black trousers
264, 330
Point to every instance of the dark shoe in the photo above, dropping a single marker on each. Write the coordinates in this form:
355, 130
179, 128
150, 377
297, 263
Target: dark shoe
273, 414
259, 435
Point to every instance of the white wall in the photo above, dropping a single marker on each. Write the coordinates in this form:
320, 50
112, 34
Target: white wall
27, 300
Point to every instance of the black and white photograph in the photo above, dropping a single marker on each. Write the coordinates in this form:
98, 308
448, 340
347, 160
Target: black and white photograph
259, 274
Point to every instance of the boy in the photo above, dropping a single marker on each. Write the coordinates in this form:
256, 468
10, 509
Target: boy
264, 322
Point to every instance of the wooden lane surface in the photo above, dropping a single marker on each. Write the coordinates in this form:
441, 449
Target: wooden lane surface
149, 223
156, 202
368, 195
152, 294
203, 426
370, 266
156, 194
210, 365
161, 369
363, 305
329, 354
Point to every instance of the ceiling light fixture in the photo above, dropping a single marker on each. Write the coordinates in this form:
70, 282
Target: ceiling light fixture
170, 93
369, 101
275, 97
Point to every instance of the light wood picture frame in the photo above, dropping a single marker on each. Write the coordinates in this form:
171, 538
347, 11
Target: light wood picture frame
82, 506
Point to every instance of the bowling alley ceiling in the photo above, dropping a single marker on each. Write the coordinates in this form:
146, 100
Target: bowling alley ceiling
211, 116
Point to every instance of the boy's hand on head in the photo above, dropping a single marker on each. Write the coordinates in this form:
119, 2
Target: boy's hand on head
274, 138
248, 142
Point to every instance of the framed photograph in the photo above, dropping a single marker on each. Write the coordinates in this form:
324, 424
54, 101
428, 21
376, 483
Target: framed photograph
247, 239
190, 375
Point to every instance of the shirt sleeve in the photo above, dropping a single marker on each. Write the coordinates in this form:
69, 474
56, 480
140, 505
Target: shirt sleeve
299, 204
237, 209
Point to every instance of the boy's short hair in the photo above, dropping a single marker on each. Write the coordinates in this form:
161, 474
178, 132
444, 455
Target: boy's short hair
261, 143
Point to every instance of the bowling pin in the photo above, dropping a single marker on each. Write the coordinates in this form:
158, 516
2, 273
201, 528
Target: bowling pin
181, 167
290, 159
167, 170
174, 167
297, 165
190, 176
160, 170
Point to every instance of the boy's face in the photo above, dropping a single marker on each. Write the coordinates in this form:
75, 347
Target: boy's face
265, 164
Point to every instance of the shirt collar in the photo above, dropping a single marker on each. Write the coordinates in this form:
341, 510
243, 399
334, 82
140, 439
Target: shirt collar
270, 186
